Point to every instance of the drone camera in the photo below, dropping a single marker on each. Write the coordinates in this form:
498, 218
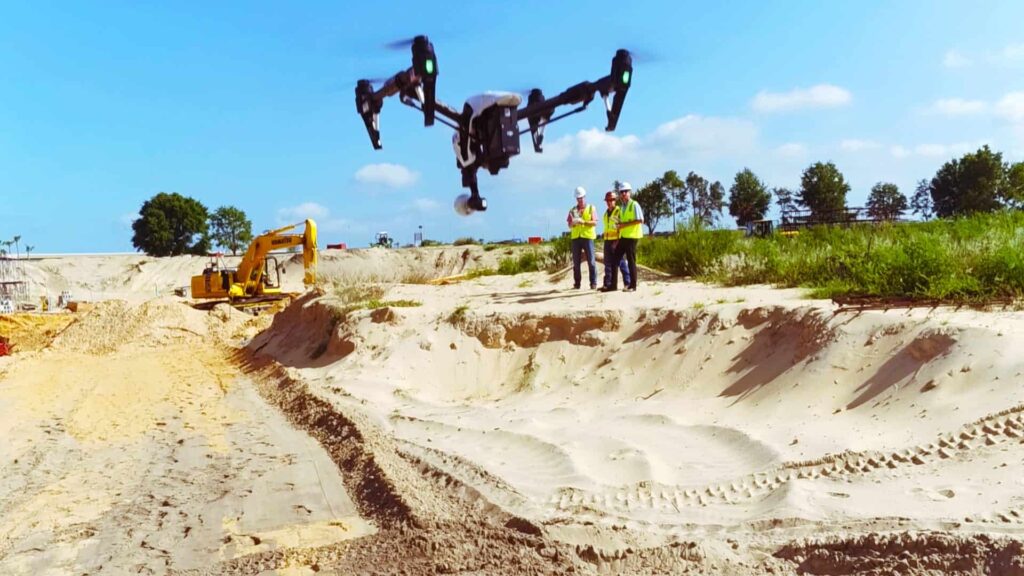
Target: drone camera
424, 63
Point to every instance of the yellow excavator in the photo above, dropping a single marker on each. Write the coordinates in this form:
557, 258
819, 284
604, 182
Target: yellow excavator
251, 282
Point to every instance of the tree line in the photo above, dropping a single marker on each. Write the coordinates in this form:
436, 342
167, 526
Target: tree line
975, 183
5, 247
170, 224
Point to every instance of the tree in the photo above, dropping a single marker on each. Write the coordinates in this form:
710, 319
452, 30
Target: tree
675, 191
654, 202
706, 199
16, 246
977, 182
232, 230
696, 188
785, 201
1015, 186
886, 202
711, 210
171, 224
748, 198
921, 201
823, 191
28, 250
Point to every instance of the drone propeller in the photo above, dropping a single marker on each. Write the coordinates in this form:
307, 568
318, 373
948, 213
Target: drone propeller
645, 56
403, 44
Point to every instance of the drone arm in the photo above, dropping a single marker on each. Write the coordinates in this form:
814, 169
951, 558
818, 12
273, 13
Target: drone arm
453, 117
538, 111
581, 93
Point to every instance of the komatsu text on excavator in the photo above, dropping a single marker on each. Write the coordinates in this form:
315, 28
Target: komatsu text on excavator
252, 281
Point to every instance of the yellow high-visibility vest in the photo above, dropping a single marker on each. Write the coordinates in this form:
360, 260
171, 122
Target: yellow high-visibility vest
611, 224
582, 231
628, 213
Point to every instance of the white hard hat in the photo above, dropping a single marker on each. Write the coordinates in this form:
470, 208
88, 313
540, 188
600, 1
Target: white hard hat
625, 186
580, 192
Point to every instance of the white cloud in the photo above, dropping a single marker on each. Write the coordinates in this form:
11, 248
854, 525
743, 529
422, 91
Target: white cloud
1011, 107
389, 175
425, 205
791, 150
594, 144
955, 59
899, 152
128, 219
1013, 53
957, 107
855, 145
820, 96
706, 136
302, 211
595, 158
318, 212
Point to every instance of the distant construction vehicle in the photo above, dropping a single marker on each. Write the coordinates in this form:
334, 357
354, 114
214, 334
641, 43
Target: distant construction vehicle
257, 278
383, 240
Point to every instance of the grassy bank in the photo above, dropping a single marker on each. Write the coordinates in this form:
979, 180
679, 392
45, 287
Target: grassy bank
973, 258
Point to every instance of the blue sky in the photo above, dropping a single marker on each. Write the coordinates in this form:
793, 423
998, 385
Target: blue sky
103, 105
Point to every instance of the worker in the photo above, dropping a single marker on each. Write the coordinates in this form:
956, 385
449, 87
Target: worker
611, 237
631, 220
582, 221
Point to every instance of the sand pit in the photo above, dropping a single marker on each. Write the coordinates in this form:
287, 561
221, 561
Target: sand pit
511, 425
696, 414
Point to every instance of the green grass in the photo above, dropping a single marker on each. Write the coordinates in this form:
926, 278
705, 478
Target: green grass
967, 259
531, 260
693, 250
478, 272
374, 304
353, 292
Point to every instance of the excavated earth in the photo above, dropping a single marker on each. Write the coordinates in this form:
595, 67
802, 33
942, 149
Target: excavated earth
508, 425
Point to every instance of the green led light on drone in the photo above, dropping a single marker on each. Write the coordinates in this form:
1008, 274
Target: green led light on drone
429, 66
625, 77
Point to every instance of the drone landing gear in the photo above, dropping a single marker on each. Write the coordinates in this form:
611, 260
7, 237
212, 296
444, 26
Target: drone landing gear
466, 204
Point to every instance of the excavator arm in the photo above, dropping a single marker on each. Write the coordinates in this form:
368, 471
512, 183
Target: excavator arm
251, 270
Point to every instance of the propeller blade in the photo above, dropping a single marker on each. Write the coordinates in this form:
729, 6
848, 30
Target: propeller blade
403, 44
644, 56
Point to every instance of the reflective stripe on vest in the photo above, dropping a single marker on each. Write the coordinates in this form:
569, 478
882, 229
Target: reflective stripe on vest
581, 231
633, 230
611, 225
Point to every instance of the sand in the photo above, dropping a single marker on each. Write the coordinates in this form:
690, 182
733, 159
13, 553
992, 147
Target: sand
512, 425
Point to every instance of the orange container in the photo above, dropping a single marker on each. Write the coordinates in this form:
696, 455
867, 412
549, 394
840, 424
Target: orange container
534, 239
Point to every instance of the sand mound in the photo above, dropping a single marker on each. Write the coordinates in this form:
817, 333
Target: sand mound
29, 332
113, 324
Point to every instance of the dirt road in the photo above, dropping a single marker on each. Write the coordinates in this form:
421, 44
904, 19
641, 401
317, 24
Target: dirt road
153, 459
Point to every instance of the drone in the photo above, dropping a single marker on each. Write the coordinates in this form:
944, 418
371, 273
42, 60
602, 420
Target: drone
487, 129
